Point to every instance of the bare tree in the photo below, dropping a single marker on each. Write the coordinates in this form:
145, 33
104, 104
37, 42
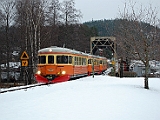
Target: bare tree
1, 20
53, 13
53, 19
70, 14
36, 13
7, 9
138, 35
30, 19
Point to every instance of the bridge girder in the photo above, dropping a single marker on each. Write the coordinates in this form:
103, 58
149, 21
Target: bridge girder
102, 43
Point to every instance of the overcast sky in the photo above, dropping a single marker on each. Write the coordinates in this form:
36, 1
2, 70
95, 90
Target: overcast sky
108, 9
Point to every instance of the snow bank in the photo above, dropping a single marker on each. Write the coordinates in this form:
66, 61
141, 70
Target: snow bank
98, 98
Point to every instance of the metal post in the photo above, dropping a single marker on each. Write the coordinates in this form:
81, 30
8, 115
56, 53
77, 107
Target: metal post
121, 68
93, 67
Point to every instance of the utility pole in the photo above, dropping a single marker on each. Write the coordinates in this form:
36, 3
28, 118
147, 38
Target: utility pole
121, 67
93, 67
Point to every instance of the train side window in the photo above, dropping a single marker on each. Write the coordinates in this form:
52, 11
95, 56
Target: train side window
50, 59
70, 59
74, 60
80, 61
89, 61
77, 59
104, 62
42, 59
97, 62
94, 61
83, 61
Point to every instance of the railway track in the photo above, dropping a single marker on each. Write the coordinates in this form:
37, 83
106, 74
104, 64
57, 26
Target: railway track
22, 87
29, 86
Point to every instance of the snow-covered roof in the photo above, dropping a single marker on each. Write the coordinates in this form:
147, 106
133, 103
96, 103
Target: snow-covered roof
12, 64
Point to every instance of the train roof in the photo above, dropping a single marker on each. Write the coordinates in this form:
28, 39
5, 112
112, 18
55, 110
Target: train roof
61, 49
66, 50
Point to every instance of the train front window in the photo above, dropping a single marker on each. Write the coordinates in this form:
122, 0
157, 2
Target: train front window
50, 59
62, 59
42, 59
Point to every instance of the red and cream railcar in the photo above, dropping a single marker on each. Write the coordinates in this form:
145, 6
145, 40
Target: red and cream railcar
100, 64
103, 64
90, 63
93, 64
58, 64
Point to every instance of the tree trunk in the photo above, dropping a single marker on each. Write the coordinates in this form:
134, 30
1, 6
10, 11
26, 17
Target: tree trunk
0, 69
8, 50
146, 86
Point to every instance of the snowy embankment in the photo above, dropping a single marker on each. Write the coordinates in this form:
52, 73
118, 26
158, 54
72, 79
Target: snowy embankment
98, 98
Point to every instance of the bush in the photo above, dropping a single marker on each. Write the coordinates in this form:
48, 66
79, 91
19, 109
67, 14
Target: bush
125, 74
129, 74
112, 73
150, 75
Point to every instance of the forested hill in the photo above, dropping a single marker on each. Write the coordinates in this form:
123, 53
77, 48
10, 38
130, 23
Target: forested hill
104, 27
109, 27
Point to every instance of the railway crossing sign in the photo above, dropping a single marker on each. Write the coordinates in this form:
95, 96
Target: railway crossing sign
24, 59
24, 56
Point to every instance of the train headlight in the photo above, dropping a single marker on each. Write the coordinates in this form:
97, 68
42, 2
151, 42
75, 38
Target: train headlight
38, 72
63, 72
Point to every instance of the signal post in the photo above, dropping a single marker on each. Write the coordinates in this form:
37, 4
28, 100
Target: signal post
24, 63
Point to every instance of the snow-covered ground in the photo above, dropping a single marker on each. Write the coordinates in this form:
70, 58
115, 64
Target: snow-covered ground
98, 98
